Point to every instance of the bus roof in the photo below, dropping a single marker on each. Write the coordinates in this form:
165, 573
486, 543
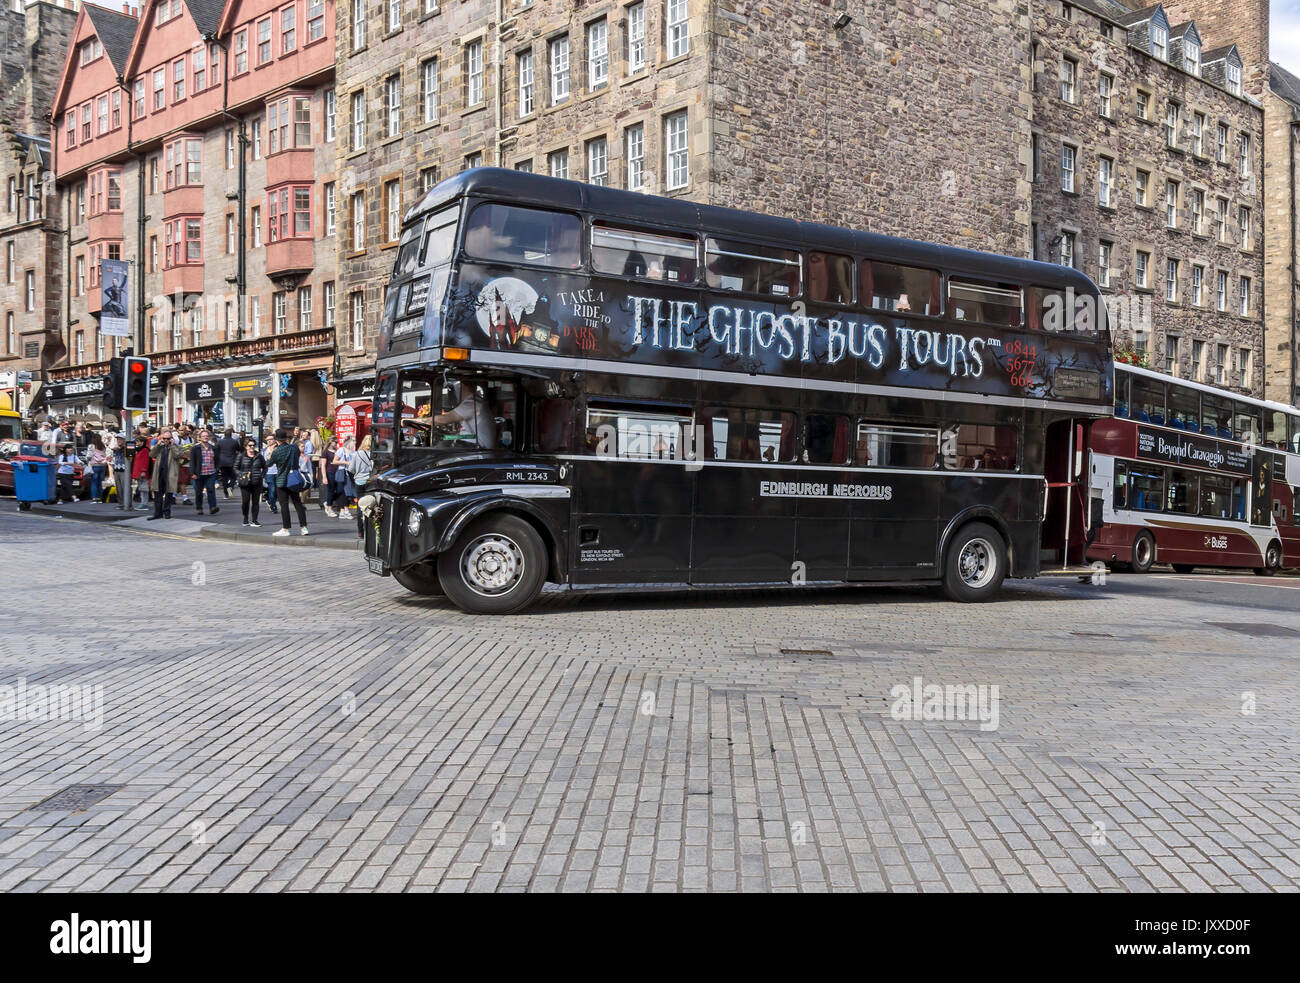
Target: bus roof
1212, 390
541, 190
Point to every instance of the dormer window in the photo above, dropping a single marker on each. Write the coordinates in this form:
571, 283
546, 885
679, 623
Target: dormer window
1160, 41
1234, 79
166, 10
1192, 56
91, 50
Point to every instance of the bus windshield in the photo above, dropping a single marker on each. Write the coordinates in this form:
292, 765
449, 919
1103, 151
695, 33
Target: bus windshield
444, 412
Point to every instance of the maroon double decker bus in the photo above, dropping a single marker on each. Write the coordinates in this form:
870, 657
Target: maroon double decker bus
1195, 476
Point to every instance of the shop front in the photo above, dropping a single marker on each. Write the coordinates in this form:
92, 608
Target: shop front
77, 398
205, 403
302, 396
251, 399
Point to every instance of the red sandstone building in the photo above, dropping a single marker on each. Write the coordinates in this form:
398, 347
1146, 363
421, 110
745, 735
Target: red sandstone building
194, 139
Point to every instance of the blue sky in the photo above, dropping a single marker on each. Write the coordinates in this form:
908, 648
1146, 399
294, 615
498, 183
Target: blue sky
1284, 34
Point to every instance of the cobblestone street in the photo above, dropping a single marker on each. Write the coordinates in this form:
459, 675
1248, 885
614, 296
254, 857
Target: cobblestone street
279, 719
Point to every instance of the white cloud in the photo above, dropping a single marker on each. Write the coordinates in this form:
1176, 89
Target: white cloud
1284, 34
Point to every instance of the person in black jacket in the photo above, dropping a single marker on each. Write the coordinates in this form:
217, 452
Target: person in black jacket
285, 458
229, 449
251, 471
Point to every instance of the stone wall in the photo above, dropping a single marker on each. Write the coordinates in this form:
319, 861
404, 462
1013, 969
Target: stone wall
1281, 247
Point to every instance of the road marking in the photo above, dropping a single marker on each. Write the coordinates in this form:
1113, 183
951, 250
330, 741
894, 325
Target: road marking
1251, 580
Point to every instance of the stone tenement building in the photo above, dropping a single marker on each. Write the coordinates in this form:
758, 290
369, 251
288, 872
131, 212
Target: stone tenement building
1282, 236
902, 119
1147, 160
196, 142
33, 43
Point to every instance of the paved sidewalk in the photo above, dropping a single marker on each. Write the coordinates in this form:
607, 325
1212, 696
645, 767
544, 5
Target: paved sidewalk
227, 524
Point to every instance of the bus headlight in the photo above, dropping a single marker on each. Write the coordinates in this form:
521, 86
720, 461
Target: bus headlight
413, 522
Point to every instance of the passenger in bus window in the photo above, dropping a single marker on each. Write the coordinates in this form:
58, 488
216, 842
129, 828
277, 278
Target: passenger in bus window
474, 416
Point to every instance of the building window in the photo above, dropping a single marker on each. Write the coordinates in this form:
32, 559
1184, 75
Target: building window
1221, 365
558, 163
230, 149
597, 54
331, 114
358, 24
153, 254
11, 335
1198, 359
257, 138
90, 50
1171, 204
1243, 293
559, 58
1198, 286
357, 319
29, 295
1221, 220
280, 311
1104, 251
184, 159
1159, 41
81, 274
1067, 168
1069, 79
1171, 281
255, 221
231, 236
178, 80
1234, 79
264, 41
1243, 220
473, 160
1244, 152
288, 213
358, 120
331, 209
1244, 364
1105, 181
677, 30
255, 316
304, 308
428, 179
1222, 155
1192, 56
1142, 269
636, 53
1106, 95
598, 161
183, 242
429, 90
1143, 104
676, 154
1198, 134
1067, 249
1198, 211
393, 106
1221, 292
474, 73
394, 15
393, 210
288, 29
359, 221
241, 52
634, 152
315, 20
159, 89
329, 303
1172, 115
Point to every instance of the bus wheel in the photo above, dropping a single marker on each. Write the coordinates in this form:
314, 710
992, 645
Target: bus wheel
975, 564
420, 579
496, 566
1272, 560
1144, 552
1182, 567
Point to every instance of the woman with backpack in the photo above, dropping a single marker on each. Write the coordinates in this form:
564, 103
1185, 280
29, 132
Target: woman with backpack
289, 481
250, 473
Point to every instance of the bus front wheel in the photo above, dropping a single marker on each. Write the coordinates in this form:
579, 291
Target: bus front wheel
1272, 560
975, 563
420, 579
1144, 552
496, 566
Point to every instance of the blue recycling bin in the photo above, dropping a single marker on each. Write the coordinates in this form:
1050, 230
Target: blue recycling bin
33, 482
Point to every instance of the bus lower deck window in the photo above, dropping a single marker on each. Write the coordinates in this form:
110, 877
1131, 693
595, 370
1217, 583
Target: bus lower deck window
647, 255
1147, 492
826, 438
1181, 491
981, 447
751, 267
906, 289
880, 445
634, 432
732, 434
513, 234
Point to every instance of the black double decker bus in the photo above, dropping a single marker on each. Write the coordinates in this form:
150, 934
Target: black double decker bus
587, 386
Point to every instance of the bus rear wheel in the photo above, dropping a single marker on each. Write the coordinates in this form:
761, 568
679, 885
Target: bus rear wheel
1144, 552
420, 579
975, 563
496, 566
1272, 560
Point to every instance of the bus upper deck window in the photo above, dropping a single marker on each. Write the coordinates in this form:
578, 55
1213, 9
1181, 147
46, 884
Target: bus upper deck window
512, 234
748, 266
648, 255
1148, 400
439, 238
906, 289
987, 303
1245, 422
1275, 429
830, 278
408, 253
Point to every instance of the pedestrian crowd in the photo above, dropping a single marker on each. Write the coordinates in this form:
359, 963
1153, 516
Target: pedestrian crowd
159, 467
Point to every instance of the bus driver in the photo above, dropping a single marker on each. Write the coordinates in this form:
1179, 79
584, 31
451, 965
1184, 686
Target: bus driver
474, 415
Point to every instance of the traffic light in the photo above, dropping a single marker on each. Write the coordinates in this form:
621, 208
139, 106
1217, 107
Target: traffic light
113, 389
135, 388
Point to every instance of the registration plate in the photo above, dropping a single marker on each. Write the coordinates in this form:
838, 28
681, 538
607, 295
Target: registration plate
376, 565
